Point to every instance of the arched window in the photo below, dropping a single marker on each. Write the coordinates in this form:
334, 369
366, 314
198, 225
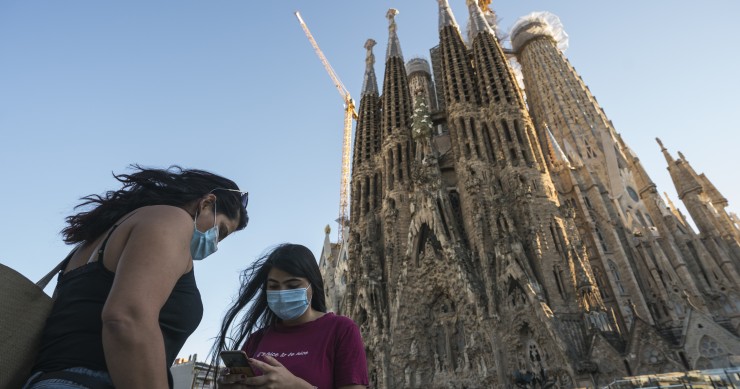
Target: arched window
601, 283
601, 238
641, 219
617, 279
589, 151
588, 202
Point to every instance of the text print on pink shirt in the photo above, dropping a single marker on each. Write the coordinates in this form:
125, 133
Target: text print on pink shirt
282, 355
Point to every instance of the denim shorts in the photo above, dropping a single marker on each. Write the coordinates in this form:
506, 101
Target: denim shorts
56, 383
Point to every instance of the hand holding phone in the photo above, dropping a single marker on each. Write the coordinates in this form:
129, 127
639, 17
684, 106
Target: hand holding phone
237, 362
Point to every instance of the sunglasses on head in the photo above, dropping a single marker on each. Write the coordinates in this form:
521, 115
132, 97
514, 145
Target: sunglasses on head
244, 195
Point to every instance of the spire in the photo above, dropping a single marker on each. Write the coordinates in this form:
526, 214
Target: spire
715, 196
557, 152
327, 260
665, 152
690, 170
367, 132
394, 46
676, 212
396, 111
687, 166
684, 179
370, 82
722, 220
446, 18
459, 80
478, 22
671, 206
489, 14
708, 187
497, 84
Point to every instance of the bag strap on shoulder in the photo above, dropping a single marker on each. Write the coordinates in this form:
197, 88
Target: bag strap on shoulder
47, 278
59, 267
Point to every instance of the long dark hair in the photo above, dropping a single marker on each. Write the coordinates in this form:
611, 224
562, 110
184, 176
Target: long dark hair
294, 259
172, 186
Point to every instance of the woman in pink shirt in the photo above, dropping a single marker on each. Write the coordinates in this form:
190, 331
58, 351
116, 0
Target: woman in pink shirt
291, 341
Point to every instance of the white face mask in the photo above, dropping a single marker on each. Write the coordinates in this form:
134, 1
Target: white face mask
205, 243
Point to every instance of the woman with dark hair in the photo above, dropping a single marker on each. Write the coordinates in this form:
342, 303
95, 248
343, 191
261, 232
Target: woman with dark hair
127, 300
297, 344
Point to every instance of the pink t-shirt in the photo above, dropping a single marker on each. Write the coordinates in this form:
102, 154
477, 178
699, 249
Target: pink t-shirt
327, 352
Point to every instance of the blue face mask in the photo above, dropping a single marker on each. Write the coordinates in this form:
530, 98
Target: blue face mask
204, 244
288, 304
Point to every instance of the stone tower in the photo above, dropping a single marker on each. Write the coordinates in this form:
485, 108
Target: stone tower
645, 258
498, 242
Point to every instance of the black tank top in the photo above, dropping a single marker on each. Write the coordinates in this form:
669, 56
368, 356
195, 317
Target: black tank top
73, 336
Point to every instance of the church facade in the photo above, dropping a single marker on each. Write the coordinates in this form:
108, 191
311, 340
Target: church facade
503, 240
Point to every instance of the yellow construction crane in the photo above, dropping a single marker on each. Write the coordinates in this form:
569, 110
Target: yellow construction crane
349, 114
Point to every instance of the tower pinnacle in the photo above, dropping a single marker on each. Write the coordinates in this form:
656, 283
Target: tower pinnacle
665, 152
660, 143
394, 46
446, 18
478, 22
369, 83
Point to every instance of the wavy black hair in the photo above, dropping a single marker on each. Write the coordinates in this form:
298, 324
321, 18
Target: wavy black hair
294, 259
146, 186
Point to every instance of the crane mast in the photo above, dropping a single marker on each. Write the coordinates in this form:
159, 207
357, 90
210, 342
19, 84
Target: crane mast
349, 114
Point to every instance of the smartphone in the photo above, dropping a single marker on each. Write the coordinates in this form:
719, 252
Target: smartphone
237, 362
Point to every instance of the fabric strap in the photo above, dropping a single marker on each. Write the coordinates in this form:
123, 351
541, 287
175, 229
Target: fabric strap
47, 278
59, 267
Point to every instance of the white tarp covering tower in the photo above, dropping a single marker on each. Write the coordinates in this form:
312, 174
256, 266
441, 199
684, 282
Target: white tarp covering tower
548, 24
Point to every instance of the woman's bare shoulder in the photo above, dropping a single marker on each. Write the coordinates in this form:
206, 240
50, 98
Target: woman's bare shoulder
162, 216
158, 231
158, 212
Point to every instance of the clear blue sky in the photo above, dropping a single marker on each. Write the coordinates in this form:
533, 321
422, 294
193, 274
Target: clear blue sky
89, 87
